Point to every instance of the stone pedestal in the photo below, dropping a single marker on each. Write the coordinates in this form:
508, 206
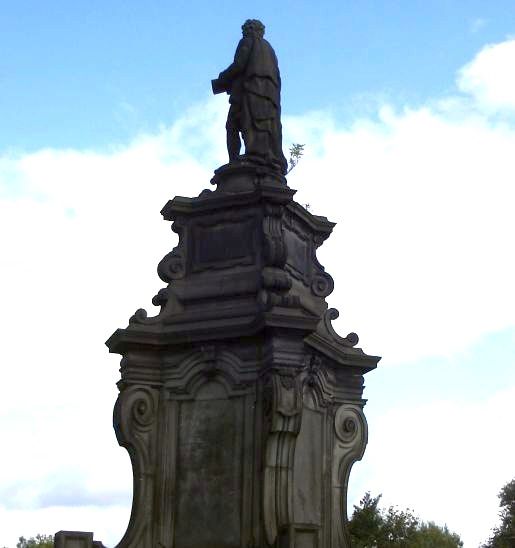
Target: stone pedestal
240, 407
76, 539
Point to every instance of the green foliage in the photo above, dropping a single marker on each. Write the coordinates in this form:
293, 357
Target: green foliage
430, 535
39, 541
373, 527
366, 523
296, 152
504, 534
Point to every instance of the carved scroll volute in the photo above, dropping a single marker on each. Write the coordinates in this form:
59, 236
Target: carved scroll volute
283, 402
173, 265
351, 434
322, 284
135, 421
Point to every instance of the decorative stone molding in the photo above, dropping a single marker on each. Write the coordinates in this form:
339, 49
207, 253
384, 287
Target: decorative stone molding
135, 425
351, 431
320, 381
285, 407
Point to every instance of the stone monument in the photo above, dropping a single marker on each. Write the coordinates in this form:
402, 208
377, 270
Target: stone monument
240, 406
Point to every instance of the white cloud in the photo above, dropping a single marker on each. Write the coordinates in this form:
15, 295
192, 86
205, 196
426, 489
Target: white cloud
423, 204
446, 460
82, 239
490, 78
421, 257
110, 522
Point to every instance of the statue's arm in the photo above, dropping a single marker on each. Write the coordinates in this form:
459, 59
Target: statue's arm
241, 58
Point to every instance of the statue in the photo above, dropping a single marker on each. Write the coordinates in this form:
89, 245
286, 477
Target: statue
253, 83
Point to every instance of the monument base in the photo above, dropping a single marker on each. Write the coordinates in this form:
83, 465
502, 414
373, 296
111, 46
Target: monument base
245, 175
240, 406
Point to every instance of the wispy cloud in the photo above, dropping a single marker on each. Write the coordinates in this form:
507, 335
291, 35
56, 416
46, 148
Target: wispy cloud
477, 24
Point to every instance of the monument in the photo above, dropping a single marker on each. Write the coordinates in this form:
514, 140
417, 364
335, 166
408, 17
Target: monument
240, 406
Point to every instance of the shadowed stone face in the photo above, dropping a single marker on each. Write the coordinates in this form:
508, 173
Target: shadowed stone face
209, 470
253, 83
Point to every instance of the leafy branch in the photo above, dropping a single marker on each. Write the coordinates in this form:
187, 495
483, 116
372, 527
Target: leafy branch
296, 152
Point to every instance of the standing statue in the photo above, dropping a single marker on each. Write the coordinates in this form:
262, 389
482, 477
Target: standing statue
253, 83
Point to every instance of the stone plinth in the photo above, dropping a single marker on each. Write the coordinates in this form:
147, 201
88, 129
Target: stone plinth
239, 405
76, 539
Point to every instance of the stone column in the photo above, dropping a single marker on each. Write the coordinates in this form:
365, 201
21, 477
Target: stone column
239, 405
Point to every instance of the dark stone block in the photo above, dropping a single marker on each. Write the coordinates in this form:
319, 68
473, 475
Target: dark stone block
76, 539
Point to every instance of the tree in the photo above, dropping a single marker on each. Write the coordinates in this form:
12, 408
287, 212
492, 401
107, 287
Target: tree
39, 541
366, 522
504, 534
372, 527
430, 535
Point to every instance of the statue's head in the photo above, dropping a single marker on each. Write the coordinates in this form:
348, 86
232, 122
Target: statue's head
253, 27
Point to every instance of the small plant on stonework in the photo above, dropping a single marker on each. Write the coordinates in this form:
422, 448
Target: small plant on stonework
296, 152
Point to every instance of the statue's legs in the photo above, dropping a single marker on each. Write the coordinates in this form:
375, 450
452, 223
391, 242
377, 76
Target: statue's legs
257, 143
262, 135
233, 133
265, 144
277, 144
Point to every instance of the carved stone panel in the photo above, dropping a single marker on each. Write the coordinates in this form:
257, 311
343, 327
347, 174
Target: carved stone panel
209, 478
308, 470
298, 256
224, 244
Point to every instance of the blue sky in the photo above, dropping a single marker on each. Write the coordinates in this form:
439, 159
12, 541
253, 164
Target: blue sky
88, 74
407, 111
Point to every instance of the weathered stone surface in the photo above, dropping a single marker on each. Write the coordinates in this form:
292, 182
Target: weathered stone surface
75, 539
240, 406
253, 83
